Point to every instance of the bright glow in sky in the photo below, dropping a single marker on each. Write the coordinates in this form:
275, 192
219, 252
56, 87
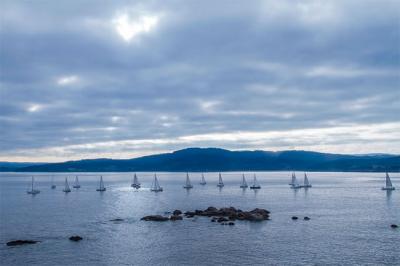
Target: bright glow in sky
128, 28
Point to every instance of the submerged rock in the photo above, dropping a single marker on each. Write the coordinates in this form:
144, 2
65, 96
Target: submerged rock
117, 220
75, 238
222, 219
295, 217
306, 218
231, 223
156, 218
21, 242
175, 217
394, 226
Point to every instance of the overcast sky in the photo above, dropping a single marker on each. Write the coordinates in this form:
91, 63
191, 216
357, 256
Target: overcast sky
121, 79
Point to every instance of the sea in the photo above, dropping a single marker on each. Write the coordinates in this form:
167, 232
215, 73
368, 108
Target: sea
350, 220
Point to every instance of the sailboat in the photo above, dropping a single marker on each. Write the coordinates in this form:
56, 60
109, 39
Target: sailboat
255, 183
203, 181
188, 185
293, 180
76, 184
389, 185
155, 187
53, 186
32, 189
135, 182
244, 183
101, 185
66, 187
294, 184
220, 183
306, 182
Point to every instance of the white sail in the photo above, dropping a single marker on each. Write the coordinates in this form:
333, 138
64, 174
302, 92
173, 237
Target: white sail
244, 183
76, 184
388, 181
389, 185
220, 182
135, 182
255, 183
295, 184
32, 189
293, 180
306, 182
203, 181
101, 185
66, 186
187, 185
156, 186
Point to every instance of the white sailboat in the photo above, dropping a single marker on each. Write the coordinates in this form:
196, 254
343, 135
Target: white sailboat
155, 187
306, 182
220, 182
135, 182
53, 186
294, 184
101, 185
203, 181
76, 184
255, 183
66, 186
244, 183
389, 185
293, 180
32, 189
188, 185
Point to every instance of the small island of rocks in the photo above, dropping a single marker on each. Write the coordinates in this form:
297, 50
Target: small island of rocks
222, 215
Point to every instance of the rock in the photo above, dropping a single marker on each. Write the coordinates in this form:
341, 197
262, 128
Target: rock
21, 242
156, 218
177, 212
117, 220
394, 226
75, 238
175, 217
190, 214
213, 220
231, 223
255, 217
295, 217
306, 218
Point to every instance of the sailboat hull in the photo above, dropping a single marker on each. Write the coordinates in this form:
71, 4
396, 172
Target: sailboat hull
101, 189
135, 186
66, 190
188, 187
255, 187
244, 186
76, 186
388, 188
156, 190
33, 192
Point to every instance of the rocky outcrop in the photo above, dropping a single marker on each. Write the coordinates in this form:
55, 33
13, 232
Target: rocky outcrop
222, 215
175, 217
21, 242
394, 226
156, 218
75, 238
295, 217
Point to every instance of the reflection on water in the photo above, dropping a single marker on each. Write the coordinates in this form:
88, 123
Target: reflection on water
344, 208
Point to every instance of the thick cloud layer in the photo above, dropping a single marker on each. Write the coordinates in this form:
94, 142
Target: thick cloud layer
87, 79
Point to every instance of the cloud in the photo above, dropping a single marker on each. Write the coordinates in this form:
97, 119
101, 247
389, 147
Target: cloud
177, 77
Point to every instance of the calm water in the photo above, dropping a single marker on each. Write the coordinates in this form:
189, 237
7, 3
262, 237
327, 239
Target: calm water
350, 221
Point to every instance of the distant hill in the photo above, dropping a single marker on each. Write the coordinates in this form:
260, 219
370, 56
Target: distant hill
213, 159
11, 166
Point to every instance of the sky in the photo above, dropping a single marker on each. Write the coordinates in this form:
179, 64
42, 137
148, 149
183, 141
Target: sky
122, 79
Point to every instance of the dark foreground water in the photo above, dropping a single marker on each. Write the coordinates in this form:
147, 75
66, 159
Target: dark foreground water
350, 221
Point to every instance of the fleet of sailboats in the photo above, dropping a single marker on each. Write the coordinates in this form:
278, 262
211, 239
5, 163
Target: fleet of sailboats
32, 189
244, 183
388, 184
255, 183
76, 184
203, 181
66, 186
155, 187
101, 185
135, 182
188, 185
220, 182
294, 184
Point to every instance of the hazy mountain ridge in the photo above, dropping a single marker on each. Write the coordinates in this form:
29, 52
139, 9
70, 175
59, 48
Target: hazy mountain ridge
214, 159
